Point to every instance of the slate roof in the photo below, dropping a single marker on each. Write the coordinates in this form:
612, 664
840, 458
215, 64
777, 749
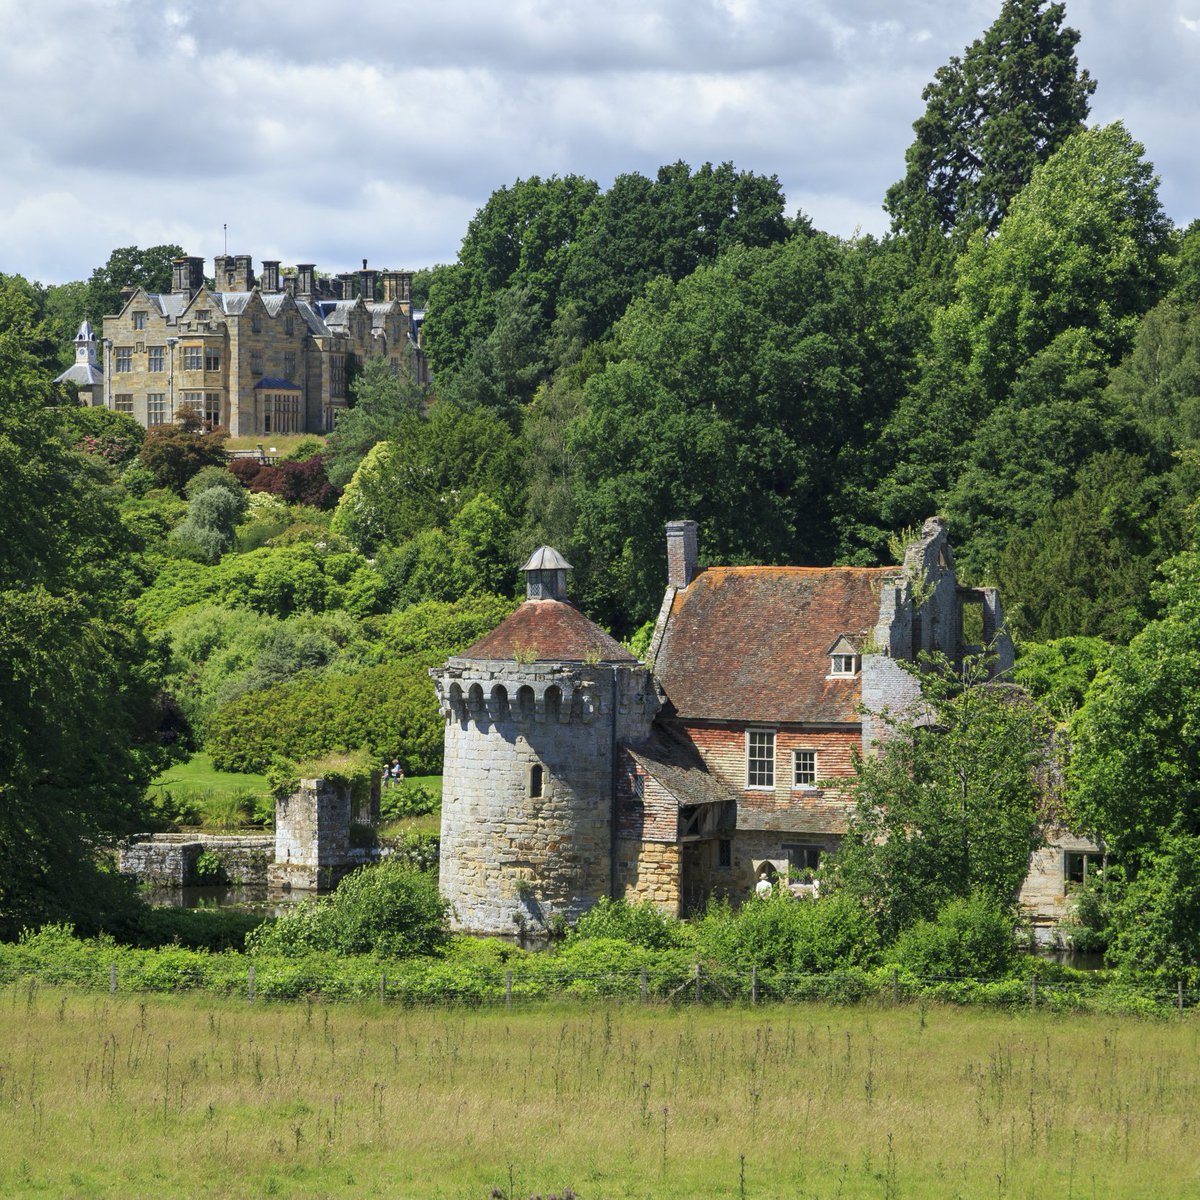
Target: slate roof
751, 644
275, 384
81, 374
677, 765
548, 631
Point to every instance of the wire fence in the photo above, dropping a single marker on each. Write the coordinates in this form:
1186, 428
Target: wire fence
446, 983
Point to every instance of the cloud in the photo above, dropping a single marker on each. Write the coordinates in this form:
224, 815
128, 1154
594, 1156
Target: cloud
327, 133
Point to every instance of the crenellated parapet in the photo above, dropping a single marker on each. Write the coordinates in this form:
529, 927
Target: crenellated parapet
503, 693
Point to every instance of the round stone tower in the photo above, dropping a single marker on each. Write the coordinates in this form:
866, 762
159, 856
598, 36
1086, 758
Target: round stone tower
534, 714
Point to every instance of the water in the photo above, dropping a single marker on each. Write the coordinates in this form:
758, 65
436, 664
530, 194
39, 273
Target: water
241, 898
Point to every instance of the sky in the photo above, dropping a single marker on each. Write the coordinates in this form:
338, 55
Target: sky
329, 132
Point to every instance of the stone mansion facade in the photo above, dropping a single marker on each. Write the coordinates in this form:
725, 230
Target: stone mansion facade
254, 355
573, 771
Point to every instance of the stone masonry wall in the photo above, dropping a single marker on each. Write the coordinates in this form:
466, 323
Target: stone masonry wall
515, 860
650, 872
169, 859
312, 836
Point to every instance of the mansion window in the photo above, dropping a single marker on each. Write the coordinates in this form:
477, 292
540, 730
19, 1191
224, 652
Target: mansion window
156, 409
724, 854
843, 664
139, 320
203, 315
212, 409
637, 786
193, 358
760, 758
212, 360
194, 401
123, 402
256, 363
155, 359
255, 323
337, 376
804, 768
289, 365
287, 326
124, 359
281, 412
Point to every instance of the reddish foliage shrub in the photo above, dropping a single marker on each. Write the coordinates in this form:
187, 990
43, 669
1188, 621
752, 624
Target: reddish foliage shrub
295, 482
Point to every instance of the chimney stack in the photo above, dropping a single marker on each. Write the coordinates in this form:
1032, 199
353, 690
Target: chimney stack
367, 285
306, 280
681, 553
187, 275
270, 275
397, 285
347, 279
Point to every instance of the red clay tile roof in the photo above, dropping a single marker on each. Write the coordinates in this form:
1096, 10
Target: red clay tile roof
752, 643
548, 631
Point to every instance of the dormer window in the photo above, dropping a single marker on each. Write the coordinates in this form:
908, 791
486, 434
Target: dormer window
844, 659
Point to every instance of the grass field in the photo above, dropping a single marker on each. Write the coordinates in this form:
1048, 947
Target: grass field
167, 1097
199, 774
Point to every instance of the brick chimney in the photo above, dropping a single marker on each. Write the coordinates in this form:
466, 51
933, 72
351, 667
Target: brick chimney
681, 553
270, 275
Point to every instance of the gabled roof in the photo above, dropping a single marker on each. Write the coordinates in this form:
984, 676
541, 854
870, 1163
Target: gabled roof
751, 644
676, 764
548, 631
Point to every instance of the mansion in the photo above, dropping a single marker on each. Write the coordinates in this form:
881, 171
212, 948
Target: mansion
255, 356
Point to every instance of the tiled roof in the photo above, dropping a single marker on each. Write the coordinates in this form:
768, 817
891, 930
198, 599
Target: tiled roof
677, 765
548, 631
752, 643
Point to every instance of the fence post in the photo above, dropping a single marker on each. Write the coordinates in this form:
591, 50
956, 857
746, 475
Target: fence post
508, 988
1033, 990
643, 986
754, 985
383, 988
251, 983
696, 970
895, 986
1179, 996
112, 979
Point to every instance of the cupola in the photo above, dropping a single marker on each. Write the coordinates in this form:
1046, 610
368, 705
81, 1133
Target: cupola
546, 575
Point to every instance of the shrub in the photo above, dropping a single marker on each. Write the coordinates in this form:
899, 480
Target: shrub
637, 924
113, 436
408, 800
381, 709
968, 939
782, 933
389, 910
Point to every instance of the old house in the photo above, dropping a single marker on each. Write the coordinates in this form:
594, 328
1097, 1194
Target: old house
255, 355
574, 772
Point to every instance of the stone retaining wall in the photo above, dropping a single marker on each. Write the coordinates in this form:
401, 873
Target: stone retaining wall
169, 859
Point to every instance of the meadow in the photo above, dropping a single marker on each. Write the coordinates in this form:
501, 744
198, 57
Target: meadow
179, 1096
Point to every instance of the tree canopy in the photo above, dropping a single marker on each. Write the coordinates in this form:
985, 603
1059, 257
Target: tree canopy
1012, 99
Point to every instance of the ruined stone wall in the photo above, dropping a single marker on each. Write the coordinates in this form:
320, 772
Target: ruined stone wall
169, 859
312, 836
1045, 893
512, 859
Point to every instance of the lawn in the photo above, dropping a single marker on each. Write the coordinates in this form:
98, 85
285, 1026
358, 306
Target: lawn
179, 1096
219, 799
273, 443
